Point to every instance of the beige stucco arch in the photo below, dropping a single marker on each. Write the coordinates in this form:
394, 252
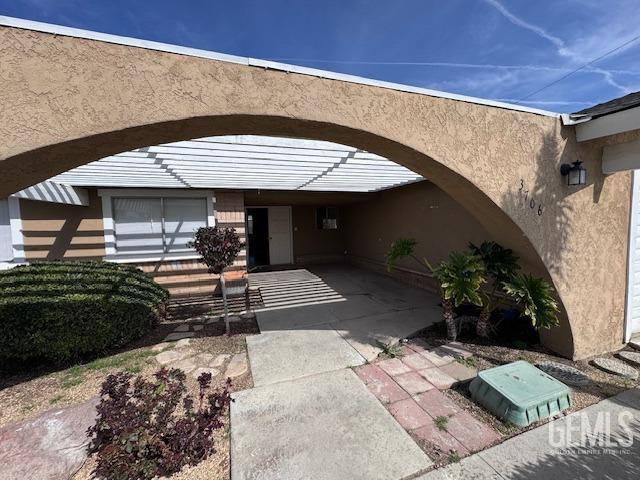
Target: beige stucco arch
68, 101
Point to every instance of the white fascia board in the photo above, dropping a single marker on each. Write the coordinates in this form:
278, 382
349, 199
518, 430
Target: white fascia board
54, 192
621, 157
193, 52
618, 122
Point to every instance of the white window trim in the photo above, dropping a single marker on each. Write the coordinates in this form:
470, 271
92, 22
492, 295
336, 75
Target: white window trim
109, 228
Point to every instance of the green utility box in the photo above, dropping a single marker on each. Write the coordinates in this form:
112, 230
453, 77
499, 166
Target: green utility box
520, 393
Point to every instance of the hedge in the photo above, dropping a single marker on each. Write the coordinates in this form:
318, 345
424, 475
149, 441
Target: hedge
60, 312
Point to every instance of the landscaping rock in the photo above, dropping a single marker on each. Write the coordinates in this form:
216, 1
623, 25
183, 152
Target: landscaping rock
182, 328
219, 360
630, 357
237, 366
52, 446
565, 373
203, 359
248, 316
234, 318
172, 337
183, 343
200, 370
170, 356
212, 319
197, 328
615, 367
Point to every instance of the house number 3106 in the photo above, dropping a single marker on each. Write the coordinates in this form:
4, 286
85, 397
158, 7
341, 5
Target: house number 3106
531, 202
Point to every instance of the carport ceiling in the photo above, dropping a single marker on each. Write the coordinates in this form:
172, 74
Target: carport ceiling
244, 162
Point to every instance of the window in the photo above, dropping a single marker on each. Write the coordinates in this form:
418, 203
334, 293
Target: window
156, 224
327, 218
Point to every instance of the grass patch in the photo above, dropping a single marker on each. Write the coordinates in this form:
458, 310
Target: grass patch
471, 362
390, 350
132, 362
441, 422
454, 457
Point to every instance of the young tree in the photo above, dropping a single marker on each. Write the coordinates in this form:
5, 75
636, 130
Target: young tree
218, 248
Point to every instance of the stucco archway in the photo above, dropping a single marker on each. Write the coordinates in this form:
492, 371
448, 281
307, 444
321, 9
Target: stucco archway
69, 101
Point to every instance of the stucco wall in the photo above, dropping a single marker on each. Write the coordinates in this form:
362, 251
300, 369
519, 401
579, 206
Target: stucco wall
53, 231
68, 101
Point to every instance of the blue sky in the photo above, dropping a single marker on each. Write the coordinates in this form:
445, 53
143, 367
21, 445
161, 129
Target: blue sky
498, 49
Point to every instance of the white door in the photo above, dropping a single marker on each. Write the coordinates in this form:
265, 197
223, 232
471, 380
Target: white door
6, 245
633, 281
280, 235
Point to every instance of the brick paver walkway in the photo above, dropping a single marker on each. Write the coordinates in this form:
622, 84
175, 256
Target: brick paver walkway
410, 387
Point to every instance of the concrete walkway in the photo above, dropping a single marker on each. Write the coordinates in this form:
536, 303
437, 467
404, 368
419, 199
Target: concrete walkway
310, 416
331, 318
533, 455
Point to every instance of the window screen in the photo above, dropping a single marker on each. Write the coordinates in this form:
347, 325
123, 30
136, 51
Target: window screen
327, 218
138, 225
182, 217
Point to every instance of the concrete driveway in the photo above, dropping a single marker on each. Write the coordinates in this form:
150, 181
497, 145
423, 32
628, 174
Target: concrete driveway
309, 416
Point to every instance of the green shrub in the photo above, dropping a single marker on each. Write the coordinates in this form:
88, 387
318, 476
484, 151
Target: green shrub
63, 311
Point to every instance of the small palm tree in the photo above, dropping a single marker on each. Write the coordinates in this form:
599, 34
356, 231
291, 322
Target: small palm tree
501, 264
460, 278
537, 299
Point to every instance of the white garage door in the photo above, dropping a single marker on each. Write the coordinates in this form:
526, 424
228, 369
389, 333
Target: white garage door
633, 282
6, 247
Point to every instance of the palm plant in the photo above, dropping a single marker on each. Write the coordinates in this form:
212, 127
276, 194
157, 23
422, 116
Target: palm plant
501, 264
460, 278
537, 299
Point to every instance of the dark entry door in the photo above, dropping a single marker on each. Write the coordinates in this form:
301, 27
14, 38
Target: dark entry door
258, 236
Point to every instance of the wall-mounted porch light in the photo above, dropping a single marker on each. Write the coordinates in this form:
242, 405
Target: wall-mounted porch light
576, 174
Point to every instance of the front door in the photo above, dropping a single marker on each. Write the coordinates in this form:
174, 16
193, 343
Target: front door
633, 281
280, 235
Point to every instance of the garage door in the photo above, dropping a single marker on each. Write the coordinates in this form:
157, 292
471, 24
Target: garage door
633, 282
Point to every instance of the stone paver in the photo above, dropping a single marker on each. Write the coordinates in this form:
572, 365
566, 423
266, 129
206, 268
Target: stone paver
277, 356
417, 362
169, 356
51, 446
160, 346
615, 367
172, 337
440, 438
413, 383
438, 358
197, 328
187, 365
184, 342
469, 431
238, 365
393, 366
203, 358
438, 378
453, 349
325, 427
182, 328
219, 360
632, 358
565, 373
380, 384
460, 372
409, 414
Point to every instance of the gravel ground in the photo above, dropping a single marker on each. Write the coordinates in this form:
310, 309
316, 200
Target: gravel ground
488, 355
26, 394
